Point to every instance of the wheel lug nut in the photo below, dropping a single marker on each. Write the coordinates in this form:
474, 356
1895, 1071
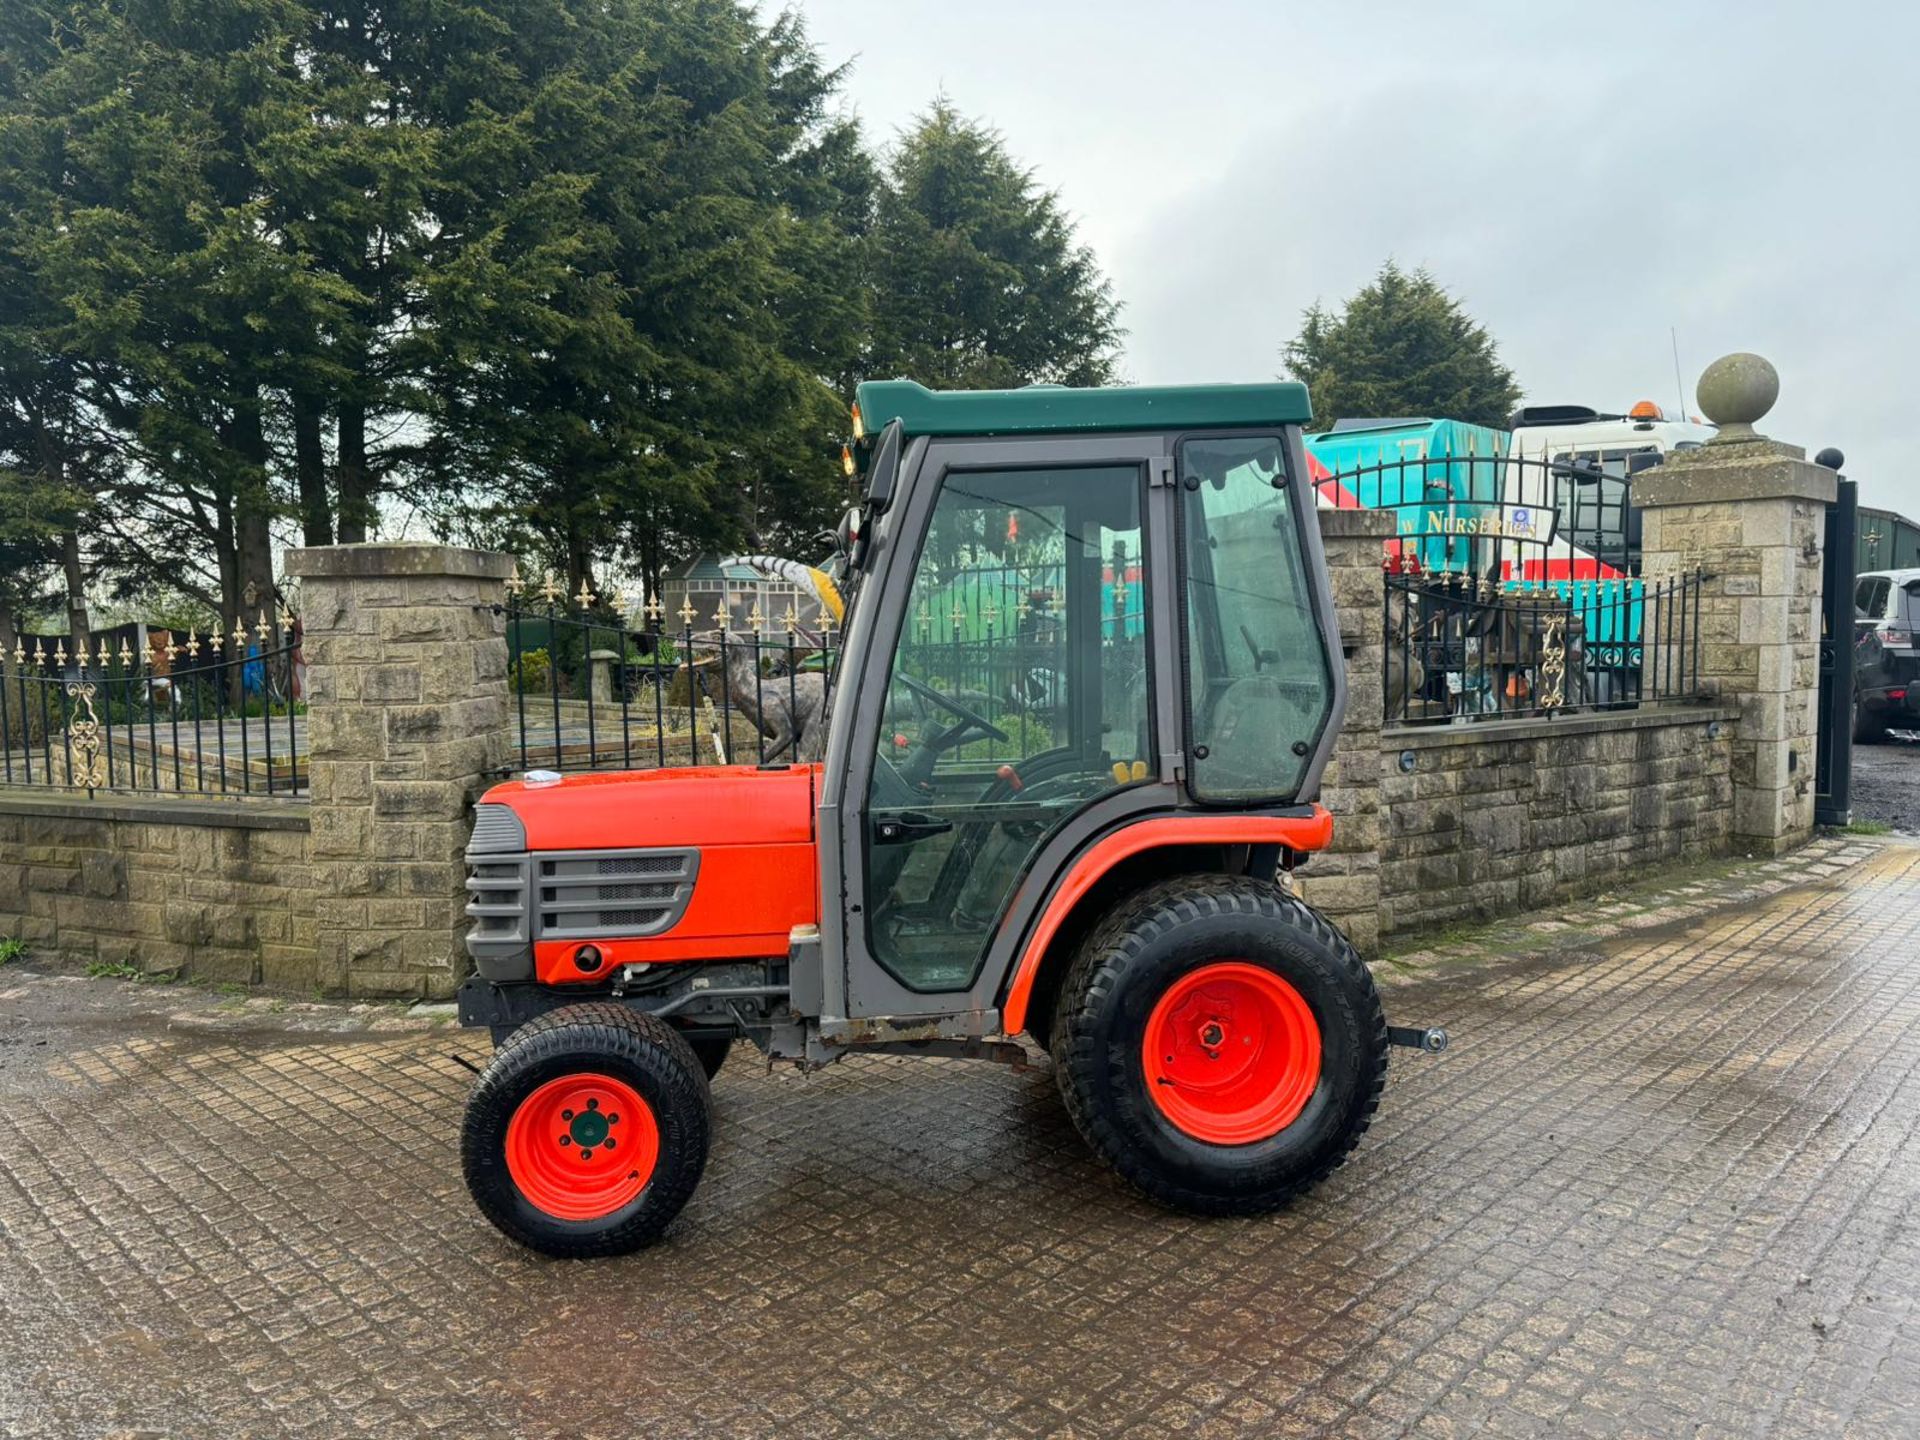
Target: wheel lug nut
586, 1154
566, 1114
566, 1140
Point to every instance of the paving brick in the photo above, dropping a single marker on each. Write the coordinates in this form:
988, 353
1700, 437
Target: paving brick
1625, 1203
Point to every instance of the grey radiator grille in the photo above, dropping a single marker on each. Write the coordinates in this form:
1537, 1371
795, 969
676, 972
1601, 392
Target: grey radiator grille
592, 895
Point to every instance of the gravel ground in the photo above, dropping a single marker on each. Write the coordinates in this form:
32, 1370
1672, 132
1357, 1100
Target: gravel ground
1886, 782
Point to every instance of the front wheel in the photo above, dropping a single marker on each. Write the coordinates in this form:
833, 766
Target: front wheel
587, 1132
1220, 1045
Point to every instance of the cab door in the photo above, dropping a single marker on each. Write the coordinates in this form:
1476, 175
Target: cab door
1007, 702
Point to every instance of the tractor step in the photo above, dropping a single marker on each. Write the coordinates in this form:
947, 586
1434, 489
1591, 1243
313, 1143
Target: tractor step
1432, 1040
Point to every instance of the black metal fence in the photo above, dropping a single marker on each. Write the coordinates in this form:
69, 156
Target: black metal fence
1458, 648
592, 692
1515, 584
215, 715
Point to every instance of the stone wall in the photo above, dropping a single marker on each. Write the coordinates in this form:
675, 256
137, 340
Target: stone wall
1502, 816
407, 679
1751, 515
212, 890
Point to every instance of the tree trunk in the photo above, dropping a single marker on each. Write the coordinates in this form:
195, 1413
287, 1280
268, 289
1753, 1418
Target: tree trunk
356, 484
253, 538
310, 468
78, 624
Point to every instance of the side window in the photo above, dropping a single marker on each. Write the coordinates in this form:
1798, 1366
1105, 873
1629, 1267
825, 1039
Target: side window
1870, 597
1259, 686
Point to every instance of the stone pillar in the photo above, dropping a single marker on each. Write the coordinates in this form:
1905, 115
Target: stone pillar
407, 717
1344, 881
1750, 512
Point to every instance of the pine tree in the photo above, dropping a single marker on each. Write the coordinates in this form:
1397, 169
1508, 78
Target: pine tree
979, 281
1401, 346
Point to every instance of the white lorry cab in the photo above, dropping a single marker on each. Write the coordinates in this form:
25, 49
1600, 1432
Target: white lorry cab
1594, 456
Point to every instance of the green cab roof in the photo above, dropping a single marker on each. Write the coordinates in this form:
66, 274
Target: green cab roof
1038, 408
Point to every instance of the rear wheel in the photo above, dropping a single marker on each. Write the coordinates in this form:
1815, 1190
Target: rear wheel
588, 1131
1220, 1045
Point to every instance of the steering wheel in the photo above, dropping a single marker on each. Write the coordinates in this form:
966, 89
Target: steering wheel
953, 707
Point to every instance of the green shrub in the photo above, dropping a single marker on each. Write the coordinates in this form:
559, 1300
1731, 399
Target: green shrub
532, 673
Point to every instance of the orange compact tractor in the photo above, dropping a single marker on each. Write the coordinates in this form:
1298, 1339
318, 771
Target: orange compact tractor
1089, 678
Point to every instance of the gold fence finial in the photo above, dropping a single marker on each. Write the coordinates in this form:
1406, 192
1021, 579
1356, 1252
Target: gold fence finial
549, 591
262, 630
586, 596
654, 609
687, 611
790, 622
720, 614
514, 583
193, 643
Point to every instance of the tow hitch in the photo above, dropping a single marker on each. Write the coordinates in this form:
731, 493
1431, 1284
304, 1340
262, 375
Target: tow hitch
1432, 1040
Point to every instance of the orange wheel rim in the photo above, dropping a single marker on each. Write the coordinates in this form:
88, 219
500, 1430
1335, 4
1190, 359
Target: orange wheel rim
1231, 1053
582, 1147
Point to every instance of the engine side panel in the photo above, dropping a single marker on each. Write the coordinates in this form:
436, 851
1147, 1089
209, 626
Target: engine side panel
746, 901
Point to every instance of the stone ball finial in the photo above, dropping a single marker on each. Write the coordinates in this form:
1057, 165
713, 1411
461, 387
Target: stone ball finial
1735, 391
1831, 458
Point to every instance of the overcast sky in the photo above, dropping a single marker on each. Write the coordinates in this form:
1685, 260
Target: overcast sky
1588, 179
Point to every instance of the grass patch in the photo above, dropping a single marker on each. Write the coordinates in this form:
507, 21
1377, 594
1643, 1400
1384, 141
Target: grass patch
11, 949
107, 970
1867, 827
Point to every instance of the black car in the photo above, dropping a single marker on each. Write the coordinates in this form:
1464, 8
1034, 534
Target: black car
1886, 658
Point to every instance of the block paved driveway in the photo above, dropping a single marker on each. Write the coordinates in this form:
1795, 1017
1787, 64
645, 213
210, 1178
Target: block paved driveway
1666, 1185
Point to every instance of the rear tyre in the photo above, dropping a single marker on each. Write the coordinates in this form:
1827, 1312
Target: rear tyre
1220, 1045
587, 1132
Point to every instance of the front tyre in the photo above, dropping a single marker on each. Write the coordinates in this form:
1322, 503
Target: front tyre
1220, 1045
587, 1132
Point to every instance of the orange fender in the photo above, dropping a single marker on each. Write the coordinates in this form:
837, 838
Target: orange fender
1296, 832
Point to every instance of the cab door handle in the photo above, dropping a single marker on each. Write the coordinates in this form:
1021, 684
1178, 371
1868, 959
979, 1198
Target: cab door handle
907, 827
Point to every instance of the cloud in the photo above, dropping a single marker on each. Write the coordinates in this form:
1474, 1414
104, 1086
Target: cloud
1586, 180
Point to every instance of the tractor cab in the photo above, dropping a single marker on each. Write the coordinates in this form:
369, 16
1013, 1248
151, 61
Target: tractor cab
1075, 608
1087, 686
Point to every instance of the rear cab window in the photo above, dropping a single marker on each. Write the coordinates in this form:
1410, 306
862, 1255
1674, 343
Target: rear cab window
1259, 689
